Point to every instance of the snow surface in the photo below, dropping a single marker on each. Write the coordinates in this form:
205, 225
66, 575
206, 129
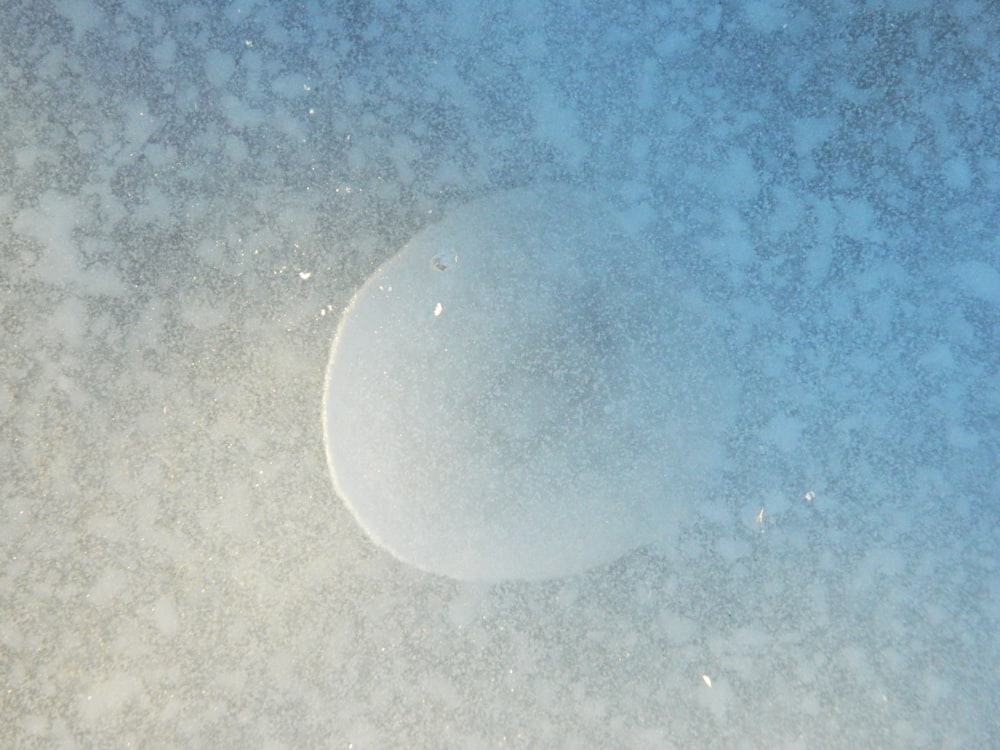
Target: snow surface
191, 194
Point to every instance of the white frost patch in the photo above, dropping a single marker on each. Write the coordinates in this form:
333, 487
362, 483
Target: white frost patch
678, 629
716, 696
164, 53
110, 696
957, 173
638, 218
165, 616
291, 85
239, 113
219, 68
558, 125
938, 358
766, 16
979, 279
858, 219
108, 587
783, 432
738, 179
810, 132
84, 15
648, 85
139, 125
731, 549
68, 321
52, 224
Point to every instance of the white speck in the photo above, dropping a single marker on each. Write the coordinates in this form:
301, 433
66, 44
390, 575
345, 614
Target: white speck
706, 679
437, 309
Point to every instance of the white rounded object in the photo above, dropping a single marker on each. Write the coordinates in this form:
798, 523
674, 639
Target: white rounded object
519, 394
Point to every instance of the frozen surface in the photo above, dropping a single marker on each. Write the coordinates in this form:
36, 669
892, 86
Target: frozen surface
190, 196
523, 393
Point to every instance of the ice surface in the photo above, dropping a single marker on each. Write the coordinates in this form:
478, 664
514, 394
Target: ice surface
191, 195
522, 394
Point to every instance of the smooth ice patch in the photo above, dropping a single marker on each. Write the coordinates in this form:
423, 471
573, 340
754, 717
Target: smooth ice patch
520, 394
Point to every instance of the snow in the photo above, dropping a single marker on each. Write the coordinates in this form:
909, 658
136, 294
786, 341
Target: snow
177, 569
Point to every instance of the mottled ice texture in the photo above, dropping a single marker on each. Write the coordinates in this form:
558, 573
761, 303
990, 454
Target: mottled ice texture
192, 193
